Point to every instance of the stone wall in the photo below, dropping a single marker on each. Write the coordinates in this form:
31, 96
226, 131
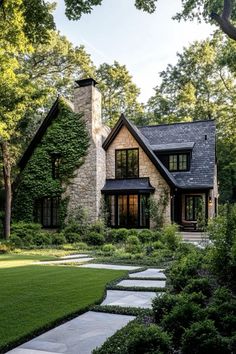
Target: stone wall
85, 188
125, 140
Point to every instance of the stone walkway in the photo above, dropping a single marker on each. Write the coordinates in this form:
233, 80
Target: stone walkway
90, 330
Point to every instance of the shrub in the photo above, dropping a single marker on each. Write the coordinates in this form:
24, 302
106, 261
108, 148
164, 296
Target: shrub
41, 239
133, 244
162, 305
171, 237
199, 285
98, 226
22, 229
72, 237
122, 255
157, 245
185, 269
81, 246
116, 235
182, 315
132, 232
202, 337
108, 249
149, 339
77, 222
95, 239
156, 236
4, 248
58, 239
145, 236
17, 241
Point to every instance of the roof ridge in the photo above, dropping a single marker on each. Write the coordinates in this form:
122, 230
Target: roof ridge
177, 123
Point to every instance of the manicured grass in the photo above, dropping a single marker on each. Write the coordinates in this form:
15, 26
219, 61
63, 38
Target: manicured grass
34, 298
16, 260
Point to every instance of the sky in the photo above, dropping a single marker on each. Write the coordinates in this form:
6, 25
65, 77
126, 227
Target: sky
145, 43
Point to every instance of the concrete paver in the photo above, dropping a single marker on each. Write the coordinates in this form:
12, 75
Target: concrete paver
78, 336
109, 266
149, 273
143, 283
139, 299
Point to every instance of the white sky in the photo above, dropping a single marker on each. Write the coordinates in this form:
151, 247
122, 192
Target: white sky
145, 43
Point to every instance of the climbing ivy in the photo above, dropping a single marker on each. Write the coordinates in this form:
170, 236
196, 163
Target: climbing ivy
67, 136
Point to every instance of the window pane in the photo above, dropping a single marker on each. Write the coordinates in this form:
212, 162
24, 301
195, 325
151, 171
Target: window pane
182, 162
132, 169
133, 210
46, 218
122, 210
194, 207
120, 163
173, 165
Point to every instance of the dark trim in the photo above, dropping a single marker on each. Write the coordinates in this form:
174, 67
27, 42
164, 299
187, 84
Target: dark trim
39, 203
39, 134
137, 135
178, 155
130, 191
188, 196
126, 167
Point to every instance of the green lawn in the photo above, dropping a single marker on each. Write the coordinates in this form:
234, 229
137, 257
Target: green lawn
34, 297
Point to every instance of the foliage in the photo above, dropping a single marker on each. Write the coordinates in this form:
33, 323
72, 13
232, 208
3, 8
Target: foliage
58, 238
133, 244
203, 337
157, 209
171, 237
199, 285
162, 305
77, 222
145, 236
4, 248
108, 249
97, 226
36, 180
95, 239
119, 93
117, 235
72, 237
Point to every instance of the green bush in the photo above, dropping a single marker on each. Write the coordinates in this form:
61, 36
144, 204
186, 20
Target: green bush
98, 226
133, 232
151, 339
81, 246
22, 229
156, 236
78, 222
116, 235
133, 245
72, 237
199, 285
17, 241
58, 239
108, 249
145, 236
4, 248
171, 237
202, 337
95, 239
42, 239
157, 245
185, 269
181, 316
162, 305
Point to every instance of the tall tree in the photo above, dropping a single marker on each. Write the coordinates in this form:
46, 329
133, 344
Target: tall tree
202, 86
119, 93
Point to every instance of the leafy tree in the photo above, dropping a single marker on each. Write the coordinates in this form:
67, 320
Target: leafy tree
119, 93
202, 86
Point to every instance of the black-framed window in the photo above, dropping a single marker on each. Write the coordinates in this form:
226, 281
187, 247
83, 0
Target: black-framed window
178, 162
56, 161
193, 207
127, 163
128, 210
47, 211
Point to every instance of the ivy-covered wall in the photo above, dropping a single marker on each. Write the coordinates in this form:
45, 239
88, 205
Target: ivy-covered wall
67, 136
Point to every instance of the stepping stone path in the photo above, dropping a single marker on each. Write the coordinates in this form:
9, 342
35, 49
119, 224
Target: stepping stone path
77, 258
90, 330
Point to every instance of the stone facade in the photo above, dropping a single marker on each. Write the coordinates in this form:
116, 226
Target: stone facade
125, 140
85, 188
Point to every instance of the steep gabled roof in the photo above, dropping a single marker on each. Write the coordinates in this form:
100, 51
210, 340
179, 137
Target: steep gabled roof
143, 142
202, 134
39, 134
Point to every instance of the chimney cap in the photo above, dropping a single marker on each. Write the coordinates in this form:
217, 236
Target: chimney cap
86, 82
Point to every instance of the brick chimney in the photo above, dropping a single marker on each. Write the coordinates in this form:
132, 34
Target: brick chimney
85, 189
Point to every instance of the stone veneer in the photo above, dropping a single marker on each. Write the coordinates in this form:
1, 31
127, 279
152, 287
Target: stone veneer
85, 188
125, 140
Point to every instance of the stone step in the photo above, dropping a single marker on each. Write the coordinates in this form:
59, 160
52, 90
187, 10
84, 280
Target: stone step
128, 283
149, 273
124, 298
109, 266
78, 336
65, 261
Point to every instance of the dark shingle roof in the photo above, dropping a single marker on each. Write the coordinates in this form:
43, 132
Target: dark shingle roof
173, 147
132, 184
202, 134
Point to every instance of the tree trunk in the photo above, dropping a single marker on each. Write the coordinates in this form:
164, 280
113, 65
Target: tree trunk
7, 187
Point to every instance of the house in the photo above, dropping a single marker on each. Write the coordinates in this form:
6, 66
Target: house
129, 166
